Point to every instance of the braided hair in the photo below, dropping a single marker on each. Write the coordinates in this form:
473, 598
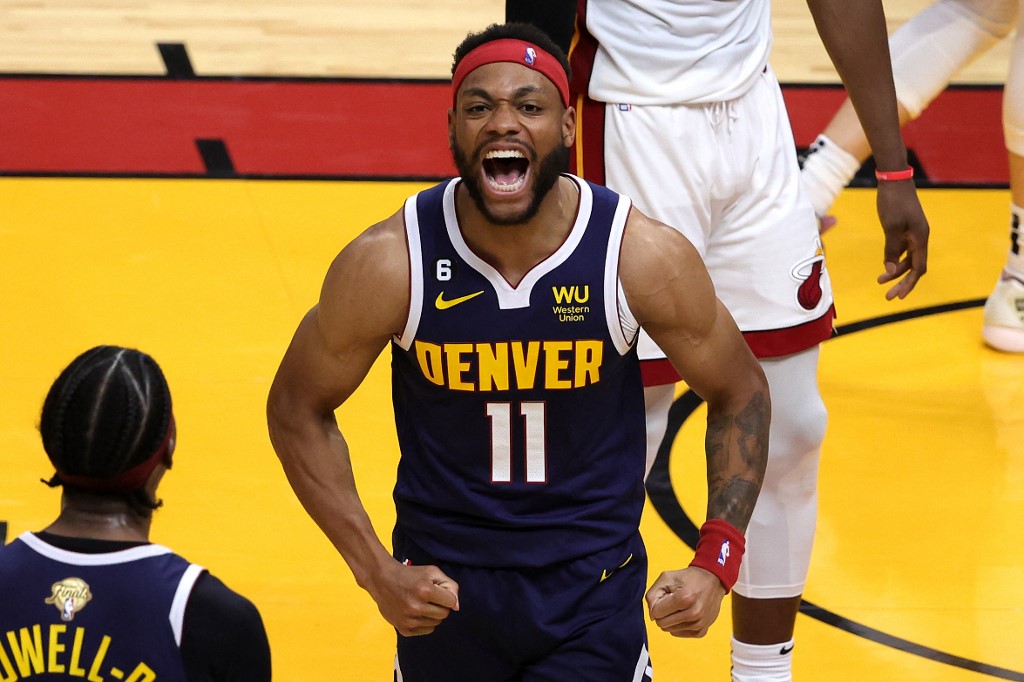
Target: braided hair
107, 422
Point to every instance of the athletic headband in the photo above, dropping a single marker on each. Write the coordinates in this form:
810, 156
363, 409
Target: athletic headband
128, 480
517, 52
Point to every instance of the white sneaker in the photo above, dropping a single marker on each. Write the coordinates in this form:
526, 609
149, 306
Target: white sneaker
1004, 315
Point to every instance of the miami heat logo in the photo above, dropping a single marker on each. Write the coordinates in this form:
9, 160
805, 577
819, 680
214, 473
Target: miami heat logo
808, 273
69, 596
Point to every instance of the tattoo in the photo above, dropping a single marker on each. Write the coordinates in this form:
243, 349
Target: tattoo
737, 453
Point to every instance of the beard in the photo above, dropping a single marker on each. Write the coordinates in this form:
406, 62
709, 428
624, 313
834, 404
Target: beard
546, 173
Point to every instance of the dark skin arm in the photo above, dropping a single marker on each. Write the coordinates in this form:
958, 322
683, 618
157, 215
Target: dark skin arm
671, 295
854, 34
554, 17
364, 302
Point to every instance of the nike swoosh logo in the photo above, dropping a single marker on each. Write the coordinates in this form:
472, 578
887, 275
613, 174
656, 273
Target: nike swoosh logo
786, 649
442, 304
605, 573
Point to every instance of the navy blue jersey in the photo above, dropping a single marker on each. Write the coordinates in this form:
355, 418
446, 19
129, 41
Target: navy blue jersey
519, 410
113, 616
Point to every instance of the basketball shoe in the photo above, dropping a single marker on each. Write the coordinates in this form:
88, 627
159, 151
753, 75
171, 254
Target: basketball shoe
1004, 315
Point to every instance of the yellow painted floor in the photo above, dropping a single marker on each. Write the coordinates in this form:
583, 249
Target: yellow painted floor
922, 485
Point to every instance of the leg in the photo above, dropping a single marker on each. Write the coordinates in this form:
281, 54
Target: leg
1004, 310
781, 532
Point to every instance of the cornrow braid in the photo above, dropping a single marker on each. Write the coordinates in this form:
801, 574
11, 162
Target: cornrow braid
104, 419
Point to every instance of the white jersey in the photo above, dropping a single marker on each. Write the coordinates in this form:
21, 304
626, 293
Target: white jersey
663, 52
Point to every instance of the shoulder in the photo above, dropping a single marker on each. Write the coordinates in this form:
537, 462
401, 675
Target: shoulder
212, 598
223, 637
662, 274
372, 267
653, 250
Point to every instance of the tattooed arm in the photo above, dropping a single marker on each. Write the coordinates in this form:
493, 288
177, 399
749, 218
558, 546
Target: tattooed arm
670, 293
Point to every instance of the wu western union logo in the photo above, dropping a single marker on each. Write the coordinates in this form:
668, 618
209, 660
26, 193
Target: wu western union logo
510, 365
573, 294
566, 297
441, 304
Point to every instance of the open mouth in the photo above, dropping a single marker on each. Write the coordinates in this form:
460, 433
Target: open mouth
506, 170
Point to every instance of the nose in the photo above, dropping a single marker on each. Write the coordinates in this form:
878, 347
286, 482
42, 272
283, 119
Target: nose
504, 119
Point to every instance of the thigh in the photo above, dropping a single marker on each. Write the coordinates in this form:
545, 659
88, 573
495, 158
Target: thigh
765, 254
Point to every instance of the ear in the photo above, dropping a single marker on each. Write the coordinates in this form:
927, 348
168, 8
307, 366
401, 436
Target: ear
172, 442
569, 126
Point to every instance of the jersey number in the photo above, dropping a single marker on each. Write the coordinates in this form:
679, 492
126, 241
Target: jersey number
501, 441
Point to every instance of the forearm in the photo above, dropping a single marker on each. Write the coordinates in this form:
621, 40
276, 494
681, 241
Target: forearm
316, 462
854, 34
737, 454
554, 17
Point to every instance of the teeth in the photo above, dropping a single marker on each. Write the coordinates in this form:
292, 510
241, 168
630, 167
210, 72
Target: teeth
507, 188
505, 154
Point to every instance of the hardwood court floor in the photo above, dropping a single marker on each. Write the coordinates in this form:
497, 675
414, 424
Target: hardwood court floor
361, 38
918, 550
923, 467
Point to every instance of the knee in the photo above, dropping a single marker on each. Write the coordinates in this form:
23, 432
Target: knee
795, 450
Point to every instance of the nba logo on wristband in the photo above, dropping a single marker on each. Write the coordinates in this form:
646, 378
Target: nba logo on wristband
723, 553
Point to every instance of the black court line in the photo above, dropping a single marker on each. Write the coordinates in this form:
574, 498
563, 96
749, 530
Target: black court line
667, 504
176, 61
216, 158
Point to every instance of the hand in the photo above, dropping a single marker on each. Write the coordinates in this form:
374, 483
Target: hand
685, 603
906, 236
414, 599
826, 223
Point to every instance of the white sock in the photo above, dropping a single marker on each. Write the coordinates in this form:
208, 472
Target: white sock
827, 169
762, 662
1015, 261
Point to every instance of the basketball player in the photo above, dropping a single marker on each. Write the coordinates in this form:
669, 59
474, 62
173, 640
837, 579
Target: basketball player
90, 596
927, 51
511, 298
679, 109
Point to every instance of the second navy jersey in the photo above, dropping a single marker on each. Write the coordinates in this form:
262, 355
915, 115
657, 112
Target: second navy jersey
111, 616
519, 408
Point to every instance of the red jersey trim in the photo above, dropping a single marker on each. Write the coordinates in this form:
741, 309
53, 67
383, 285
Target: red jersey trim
770, 343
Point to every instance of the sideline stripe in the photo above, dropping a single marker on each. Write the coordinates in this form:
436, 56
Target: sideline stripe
668, 506
134, 126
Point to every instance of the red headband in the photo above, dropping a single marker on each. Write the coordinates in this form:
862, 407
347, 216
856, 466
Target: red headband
128, 480
517, 52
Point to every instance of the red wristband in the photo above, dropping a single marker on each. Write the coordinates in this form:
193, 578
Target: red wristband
892, 176
720, 550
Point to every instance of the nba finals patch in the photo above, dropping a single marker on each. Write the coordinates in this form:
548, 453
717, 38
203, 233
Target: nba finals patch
69, 596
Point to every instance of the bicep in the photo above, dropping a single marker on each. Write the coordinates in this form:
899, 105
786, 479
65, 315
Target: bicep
671, 294
363, 302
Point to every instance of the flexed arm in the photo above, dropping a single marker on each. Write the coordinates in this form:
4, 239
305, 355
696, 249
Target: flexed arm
669, 291
363, 302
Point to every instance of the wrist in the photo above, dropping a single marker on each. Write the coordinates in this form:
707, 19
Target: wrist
720, 551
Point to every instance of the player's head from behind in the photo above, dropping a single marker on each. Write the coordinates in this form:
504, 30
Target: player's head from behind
510, 127
107, 424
